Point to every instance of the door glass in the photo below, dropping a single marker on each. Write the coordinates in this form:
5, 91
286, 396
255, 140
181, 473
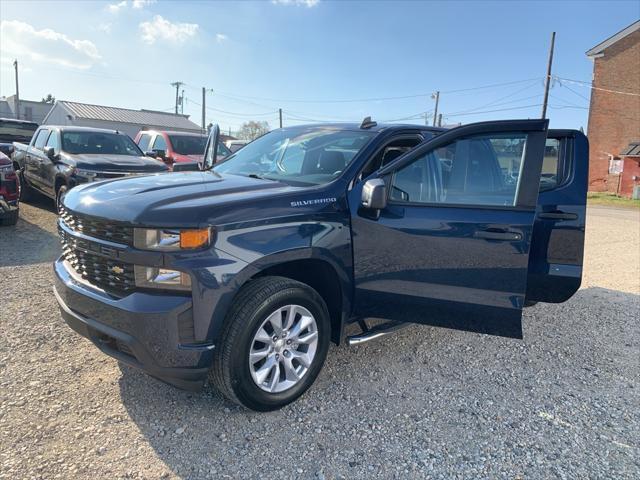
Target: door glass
159, 143
42, 137
477, 170
53, 142
143, 143
550, 177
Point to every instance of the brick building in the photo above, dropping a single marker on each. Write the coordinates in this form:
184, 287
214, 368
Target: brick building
614, 113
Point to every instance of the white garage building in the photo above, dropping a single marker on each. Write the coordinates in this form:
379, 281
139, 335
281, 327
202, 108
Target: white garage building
122, 119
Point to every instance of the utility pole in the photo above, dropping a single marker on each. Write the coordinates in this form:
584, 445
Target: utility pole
547, 80
177, 85
204, 103
280, 113
435, 112
15, 64
439, 119
182, 103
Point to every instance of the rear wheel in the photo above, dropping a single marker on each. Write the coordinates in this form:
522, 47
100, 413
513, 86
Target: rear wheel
26, 193
10, 219
273, 344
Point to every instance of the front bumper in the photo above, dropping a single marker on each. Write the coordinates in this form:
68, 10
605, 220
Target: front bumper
142, 329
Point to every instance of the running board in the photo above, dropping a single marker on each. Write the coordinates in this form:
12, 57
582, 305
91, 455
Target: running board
376, 332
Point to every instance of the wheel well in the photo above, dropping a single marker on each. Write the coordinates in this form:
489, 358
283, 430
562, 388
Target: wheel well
59, 182
320, 276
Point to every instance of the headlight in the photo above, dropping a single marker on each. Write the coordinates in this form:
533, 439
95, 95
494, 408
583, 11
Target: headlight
163, 278
171, 240
86, 175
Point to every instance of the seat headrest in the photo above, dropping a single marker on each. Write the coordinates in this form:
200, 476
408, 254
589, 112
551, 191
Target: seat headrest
331, 161
390, 155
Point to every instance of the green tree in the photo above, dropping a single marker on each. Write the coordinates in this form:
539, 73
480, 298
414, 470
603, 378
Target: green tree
49, 99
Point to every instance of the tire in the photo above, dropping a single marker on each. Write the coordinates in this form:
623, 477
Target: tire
26, 193
60, 193
10, 219
236, 377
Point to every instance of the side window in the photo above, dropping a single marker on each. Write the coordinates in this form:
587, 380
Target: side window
551, 174
477, 170
143, 143
159, 143
53, 141
41, 138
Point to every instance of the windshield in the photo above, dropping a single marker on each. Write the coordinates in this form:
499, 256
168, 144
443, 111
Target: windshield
307, 155
188, 144
16, 131
99, 142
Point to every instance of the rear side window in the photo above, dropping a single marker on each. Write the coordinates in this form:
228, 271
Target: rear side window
481, 170
551, 165
41, 138
143, 143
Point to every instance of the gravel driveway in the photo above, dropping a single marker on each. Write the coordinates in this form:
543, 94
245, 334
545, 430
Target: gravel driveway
426, 402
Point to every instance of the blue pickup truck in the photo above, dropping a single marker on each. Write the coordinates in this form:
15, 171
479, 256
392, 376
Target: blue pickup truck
243, 272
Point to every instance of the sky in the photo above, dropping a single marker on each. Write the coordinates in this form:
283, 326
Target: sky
317, 60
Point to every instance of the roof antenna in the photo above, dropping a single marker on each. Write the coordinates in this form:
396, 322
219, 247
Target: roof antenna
368, 123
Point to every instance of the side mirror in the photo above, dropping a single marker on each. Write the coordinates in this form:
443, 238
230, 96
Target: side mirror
150, 153
211, 149
374, 194
161, 154
50, 152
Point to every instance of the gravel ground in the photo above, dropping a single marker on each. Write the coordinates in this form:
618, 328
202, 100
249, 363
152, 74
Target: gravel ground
426, 402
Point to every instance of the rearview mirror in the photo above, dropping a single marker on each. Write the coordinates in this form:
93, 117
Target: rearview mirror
50, 152
374, 194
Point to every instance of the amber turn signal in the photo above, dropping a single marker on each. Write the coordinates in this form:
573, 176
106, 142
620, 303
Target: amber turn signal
195, 238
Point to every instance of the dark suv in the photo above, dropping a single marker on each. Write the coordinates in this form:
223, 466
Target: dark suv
246, 270
59, 158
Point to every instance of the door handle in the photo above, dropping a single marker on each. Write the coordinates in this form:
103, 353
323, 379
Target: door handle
498, 235
558, 216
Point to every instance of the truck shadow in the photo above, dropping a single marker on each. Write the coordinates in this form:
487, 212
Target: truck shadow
445, 383
27, 242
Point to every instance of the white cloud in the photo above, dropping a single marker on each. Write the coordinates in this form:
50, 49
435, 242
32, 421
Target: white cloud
116, 7
161, 29
306, 3
22, 41
221, 37
139, 4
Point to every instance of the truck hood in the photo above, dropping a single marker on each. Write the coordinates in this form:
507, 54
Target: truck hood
116, 163
189, 199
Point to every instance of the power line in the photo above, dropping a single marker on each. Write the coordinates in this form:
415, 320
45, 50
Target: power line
590, 85
491, 111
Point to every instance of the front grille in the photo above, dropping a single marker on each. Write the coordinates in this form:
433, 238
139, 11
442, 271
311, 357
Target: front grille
97, 228
110, 275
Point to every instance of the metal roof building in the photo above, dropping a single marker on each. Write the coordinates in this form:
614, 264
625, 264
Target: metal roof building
122, 119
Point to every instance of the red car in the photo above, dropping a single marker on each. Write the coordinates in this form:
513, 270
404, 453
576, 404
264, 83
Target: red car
176, 147
9, 192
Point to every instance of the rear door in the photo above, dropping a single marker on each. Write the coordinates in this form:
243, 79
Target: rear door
34, 159
451, 248
555, 262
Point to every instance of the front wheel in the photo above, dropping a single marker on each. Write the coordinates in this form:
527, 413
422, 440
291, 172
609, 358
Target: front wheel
273, 344
60, 193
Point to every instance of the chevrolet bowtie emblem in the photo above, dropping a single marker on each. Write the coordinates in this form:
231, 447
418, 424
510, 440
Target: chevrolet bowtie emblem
117, 270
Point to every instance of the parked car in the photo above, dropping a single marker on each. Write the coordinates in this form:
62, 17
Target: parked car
175, 147
9, 192
235, 145
12, 130
246, 270
59, 158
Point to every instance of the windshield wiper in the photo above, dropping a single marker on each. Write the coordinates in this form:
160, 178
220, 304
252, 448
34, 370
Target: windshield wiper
260, 177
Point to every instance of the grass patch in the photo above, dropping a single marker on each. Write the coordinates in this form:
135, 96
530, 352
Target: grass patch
611, 200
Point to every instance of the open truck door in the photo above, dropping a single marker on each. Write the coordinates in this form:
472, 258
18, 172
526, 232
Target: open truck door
442, 235
555, 261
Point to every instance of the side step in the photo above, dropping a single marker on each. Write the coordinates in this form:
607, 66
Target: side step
376, 332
